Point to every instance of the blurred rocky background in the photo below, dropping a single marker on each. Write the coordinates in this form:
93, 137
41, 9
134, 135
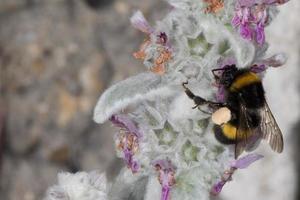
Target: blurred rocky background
57, 56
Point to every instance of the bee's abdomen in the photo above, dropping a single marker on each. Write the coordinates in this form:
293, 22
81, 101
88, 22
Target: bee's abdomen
226, 133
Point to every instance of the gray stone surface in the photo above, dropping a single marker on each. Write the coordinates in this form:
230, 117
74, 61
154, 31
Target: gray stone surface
56, 59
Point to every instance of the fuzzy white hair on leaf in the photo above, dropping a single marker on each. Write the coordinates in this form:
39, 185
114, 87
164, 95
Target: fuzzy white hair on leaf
145, 86
79, 186
128, 186
244, 51
277, 60
153, 190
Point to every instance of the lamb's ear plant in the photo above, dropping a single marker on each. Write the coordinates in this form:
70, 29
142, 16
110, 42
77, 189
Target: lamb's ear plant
169, 149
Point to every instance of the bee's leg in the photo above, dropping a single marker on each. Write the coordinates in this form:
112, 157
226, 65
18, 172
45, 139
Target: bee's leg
199, 100
216, 105
204, 111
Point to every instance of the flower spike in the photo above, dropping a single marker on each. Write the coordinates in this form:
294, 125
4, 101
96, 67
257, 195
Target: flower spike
166, 176
241, 163
128, 140
139, 22
251, 17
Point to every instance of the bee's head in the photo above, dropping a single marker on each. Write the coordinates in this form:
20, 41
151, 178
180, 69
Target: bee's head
226, 76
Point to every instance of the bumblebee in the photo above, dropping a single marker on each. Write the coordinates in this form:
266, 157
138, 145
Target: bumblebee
250, 118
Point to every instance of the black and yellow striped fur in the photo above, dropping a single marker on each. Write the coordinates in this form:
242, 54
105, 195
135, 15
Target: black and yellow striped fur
244, 85
251, 118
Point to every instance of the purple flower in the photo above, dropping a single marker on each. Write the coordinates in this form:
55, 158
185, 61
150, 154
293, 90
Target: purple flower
139, 22
128, 139
166, 176
242, 19
245, 161
124, 122
260, 34
246, 32
258, 68
275, 61
241, 163
236, 20
132, 164
251, 17
260, 17
165, 193
217, 188
163, 54
247, 3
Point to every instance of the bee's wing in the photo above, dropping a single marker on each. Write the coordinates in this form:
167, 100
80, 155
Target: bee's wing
247, 138
243, 131
271, 132
239, 145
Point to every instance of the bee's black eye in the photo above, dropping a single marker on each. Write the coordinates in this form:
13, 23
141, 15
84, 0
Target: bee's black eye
227, 77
